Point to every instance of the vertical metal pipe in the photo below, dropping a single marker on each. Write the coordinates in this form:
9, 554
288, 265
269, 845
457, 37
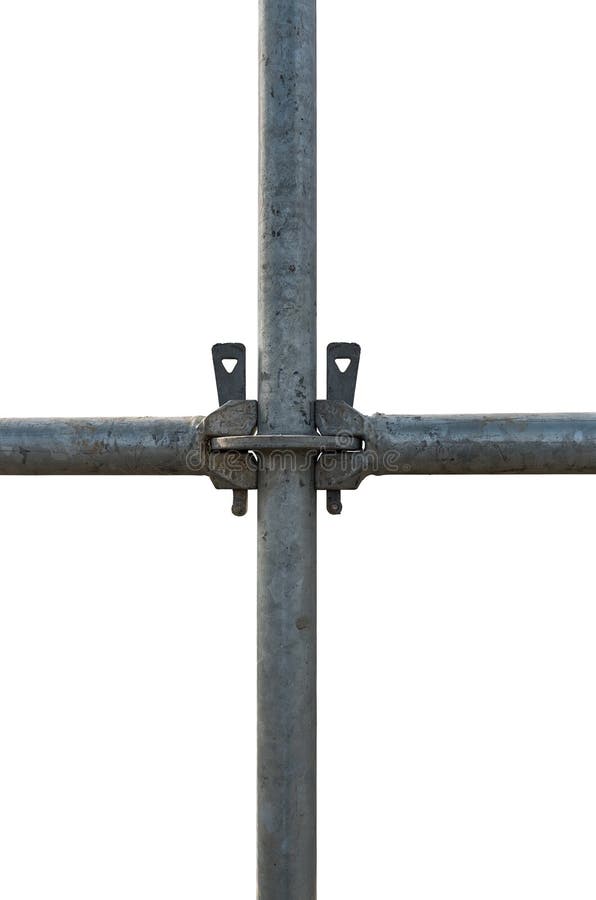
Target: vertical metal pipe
287, 496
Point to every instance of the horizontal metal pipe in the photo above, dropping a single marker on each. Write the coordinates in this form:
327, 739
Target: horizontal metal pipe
144, 446
489, 445
457, 445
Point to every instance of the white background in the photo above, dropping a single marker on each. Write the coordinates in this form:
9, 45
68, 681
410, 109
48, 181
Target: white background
457, 198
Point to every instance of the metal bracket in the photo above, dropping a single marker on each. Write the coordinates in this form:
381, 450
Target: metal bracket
231, 380
341, 388
344, 471
341, 380
231, 387
227, 469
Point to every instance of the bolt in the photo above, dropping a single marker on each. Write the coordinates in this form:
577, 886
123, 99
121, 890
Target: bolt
334, 504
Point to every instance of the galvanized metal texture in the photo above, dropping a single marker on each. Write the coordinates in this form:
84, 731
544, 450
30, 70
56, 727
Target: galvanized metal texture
131, 446
287, 217
455, 445
143, 446
286, 581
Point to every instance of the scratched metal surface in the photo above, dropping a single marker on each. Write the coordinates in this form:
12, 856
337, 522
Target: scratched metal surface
545, 444
138, 446
287, 605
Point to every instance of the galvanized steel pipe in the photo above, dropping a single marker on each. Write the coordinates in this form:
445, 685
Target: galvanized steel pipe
143, 446
286, 494
539, 444
488, 445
